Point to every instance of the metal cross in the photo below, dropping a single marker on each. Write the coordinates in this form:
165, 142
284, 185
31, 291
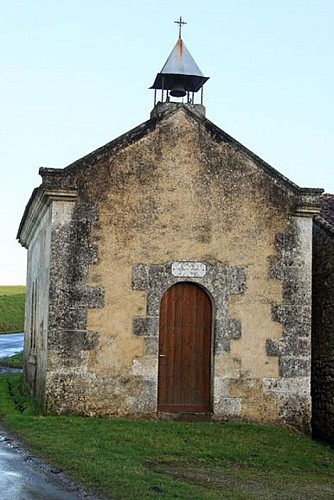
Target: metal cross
180, 22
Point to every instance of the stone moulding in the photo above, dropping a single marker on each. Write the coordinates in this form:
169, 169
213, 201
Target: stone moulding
219, 282
308, 202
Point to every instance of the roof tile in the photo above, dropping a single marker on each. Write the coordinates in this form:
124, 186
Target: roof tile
325, 218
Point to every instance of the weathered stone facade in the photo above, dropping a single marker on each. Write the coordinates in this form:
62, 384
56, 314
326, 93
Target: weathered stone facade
175, 189
323, 323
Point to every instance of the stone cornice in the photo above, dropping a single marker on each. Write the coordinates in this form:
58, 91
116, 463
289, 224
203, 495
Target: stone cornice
38, 205
308, 202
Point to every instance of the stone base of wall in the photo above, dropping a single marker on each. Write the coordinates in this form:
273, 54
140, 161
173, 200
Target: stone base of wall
274, 401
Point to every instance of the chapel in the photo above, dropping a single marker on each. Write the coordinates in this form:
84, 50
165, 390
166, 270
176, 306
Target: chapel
170, 275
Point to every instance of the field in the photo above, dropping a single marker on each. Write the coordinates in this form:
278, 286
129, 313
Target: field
12, 309
12, 290
126, 459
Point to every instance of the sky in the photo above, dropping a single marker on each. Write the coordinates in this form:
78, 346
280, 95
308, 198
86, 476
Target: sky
75, 75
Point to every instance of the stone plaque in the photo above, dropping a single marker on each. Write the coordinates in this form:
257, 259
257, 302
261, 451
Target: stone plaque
188, 269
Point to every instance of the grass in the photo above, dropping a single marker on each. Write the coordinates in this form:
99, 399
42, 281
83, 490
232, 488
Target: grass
15, 361
12, 290
126, 459
12, 300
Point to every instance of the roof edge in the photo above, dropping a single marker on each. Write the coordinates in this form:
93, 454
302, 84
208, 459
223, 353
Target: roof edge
219, 134
307, 199
115, 144
325, 226
157, 114
325, 219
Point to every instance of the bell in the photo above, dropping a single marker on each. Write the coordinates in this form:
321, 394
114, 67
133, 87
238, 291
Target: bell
178, 90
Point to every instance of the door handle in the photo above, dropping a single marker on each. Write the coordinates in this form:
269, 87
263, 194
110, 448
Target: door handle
162, 355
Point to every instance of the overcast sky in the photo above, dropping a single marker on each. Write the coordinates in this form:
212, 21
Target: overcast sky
75, 75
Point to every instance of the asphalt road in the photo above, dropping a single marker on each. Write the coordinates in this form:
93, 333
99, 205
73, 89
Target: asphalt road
22, 476
10, 343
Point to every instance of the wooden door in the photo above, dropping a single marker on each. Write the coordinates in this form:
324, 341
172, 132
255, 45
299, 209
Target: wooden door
185, 350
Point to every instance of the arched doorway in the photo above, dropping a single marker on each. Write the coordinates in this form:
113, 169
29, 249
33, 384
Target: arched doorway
184, 378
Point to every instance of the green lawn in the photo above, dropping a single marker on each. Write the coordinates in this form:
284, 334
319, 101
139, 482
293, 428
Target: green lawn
12, 309
127, 459
15, 361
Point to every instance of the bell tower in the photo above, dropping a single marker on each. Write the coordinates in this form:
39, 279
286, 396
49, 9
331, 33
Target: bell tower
180, 76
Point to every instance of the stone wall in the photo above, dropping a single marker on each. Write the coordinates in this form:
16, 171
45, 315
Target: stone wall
178, 189
36, 307
323, 335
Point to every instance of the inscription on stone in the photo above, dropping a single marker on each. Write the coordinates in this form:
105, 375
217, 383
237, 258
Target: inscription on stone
188, 269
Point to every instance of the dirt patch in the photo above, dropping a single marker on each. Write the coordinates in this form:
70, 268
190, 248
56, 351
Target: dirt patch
248, 482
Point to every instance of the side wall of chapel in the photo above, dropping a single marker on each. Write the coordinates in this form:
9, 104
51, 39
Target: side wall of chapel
323, 335
37, 306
